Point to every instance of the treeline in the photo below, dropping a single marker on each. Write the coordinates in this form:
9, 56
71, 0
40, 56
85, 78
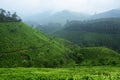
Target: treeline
107, 26
99, 32
6, 16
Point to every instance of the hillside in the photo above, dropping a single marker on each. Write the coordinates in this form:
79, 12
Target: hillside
99, 56
99, 32
21, 45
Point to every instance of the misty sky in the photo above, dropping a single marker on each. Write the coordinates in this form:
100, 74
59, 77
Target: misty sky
28, 7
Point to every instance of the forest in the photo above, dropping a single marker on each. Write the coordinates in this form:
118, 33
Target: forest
103, 32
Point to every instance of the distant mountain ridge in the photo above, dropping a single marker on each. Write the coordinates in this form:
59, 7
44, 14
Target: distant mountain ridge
58, 17
114, 13
62, 16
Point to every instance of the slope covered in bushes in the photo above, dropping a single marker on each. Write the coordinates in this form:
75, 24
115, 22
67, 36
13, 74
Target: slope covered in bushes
21, 45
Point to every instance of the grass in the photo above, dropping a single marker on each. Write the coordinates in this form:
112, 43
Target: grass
77, 73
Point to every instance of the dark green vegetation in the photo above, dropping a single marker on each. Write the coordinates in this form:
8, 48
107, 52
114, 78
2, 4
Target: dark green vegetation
81, 73
8, 17
93, 56
100, 32
99, 56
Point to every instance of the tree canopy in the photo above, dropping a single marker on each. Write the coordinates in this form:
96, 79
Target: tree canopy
6, 16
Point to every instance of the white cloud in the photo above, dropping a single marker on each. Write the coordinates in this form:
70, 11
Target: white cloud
25, 7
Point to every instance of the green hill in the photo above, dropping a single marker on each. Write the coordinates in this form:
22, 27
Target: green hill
99, 56
21, 45
99, 32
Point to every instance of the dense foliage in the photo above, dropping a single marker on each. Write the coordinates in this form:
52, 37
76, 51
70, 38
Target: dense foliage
78, 73
8, 17
99, 56
100, 32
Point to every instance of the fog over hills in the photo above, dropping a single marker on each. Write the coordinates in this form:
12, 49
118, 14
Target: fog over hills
58, 17
114, 13
62, 16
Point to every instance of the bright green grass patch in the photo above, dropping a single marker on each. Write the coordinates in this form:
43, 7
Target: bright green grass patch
79, 73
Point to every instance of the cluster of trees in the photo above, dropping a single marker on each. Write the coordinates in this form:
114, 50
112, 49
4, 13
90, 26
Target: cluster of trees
6, 16
99, 32
107, 26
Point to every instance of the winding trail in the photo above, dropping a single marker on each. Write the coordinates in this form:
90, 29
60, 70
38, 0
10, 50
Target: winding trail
24, 49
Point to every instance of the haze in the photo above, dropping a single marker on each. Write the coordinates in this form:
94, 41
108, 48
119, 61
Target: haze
29, 7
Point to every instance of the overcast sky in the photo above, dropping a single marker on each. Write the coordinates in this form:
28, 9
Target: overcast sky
28, 7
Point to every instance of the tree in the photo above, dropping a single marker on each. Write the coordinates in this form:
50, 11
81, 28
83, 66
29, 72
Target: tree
8, 17
14, 16
2, 14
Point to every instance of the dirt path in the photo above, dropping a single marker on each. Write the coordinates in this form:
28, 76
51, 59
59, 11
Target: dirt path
23, 50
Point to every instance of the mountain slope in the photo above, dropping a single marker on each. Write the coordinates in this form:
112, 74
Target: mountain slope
21, 45
16, 36
99, 32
